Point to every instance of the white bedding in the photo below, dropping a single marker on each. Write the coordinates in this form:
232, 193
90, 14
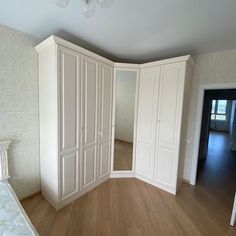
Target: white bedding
13, 219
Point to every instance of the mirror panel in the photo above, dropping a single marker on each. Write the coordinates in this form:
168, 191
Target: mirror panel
125, 95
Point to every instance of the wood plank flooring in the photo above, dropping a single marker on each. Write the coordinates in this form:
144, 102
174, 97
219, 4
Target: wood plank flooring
121, 207
130, 207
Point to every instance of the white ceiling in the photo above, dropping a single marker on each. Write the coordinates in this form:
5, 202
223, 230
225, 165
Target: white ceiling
131, 30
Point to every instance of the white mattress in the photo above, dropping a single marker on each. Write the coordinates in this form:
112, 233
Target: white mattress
13, 219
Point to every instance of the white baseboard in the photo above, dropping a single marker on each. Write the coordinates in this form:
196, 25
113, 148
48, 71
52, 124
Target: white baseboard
156, 184
76, 196
113, 175
122, 175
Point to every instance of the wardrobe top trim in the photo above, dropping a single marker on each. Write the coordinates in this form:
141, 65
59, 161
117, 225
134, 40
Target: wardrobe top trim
54, 39
59, 41
186, 58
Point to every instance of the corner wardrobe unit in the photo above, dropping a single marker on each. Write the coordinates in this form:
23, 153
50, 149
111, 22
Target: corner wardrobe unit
75, 96
162, 122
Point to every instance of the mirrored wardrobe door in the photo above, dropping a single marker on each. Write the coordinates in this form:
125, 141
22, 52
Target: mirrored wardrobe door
125, 97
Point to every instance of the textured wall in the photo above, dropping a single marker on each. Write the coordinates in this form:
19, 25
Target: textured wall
125, 105
19, 103
211, 68
19, 108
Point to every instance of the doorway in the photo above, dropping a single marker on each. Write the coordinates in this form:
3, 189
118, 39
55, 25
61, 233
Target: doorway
217, 150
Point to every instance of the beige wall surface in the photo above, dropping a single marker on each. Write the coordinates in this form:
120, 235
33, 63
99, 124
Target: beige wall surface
19, 108
219, 67
19, 103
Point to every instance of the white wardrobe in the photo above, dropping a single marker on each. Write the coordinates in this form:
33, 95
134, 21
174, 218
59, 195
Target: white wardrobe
162, 122
76, 99
75, 96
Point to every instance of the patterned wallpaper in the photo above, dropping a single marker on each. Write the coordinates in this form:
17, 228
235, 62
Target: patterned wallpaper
19, 103
19, 108
211, 68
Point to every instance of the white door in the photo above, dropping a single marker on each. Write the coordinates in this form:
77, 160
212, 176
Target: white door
147, 114
105, 119
169, 123
89, 92
69, 64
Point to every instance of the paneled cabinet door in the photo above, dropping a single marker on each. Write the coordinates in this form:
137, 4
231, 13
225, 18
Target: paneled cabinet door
69, 72
147, 114
89, 121
169, 122
105, 119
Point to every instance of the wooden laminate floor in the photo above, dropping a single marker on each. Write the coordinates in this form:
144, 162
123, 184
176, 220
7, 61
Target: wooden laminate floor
121, 207
123, 153
130, 207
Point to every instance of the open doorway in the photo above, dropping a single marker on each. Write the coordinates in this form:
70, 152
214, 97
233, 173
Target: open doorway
217, 150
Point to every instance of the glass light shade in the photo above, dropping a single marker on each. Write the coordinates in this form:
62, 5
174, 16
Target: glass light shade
88, 7
62, 3
105, 3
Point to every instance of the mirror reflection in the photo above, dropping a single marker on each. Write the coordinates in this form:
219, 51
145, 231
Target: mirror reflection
124, 119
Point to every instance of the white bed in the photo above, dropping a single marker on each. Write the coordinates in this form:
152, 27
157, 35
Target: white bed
13, 219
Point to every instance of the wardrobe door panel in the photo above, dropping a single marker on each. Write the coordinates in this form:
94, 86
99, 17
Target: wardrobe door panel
147, 105
105, 119
164, 166
147, 114
169, 123
90, 96
105, 101
104, 158
69, 175
145, 159
89, 166
89, 119
69, 76
171, 88
69, 79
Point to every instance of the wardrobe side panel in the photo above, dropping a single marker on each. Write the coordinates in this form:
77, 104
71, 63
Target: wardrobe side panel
185, 122
48, 118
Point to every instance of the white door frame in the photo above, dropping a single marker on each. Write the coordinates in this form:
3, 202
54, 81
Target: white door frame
198, 122
125, 173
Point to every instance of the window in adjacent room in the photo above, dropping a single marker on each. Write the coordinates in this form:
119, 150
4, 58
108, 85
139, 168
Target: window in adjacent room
218, 111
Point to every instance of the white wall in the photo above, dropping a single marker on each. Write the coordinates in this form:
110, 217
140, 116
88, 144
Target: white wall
125, 105
19, 108
211, 68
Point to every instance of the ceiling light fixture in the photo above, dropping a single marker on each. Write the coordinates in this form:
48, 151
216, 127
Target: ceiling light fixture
87, 6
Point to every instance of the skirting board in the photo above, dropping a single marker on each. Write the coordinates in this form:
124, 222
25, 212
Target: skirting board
158, 185
65, 202
186, 181
30, 196
114, 175
122, 175
76, 196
